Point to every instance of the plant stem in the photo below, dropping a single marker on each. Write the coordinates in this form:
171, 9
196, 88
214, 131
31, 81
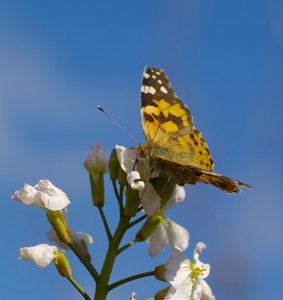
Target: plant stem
137, 221
121, 201
109, 235
127, 246
119, 197
131, 278
115, 189
85, 262
77, 286
102, 283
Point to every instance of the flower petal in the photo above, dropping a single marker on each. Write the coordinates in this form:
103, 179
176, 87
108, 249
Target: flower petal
157, 241
178, 236
47, 197
133, 178
28, 195
184, 292
177, 197
97, 160
206, 290
53, 197
126, 157
52, 236
198, 249
177, 269
86, 237
150, 200
41, 254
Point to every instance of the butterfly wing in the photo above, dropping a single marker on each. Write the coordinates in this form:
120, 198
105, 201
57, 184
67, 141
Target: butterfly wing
182, 174
167, 122
180, 151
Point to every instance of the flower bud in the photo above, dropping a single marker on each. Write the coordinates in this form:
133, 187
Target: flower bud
62, 265
132, 202
97, 188
114, 165
122, 177
159, 275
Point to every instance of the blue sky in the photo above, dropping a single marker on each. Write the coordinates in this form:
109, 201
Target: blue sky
59, 60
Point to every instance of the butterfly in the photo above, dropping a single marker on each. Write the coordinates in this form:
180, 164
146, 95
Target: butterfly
174, 147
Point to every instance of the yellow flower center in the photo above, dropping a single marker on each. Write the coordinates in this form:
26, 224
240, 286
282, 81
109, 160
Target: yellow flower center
195, 271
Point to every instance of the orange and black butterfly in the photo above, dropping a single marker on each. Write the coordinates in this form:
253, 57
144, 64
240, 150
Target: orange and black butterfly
175, 148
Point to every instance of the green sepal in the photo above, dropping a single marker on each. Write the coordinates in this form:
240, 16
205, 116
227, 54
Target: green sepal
62, 265
114, 165
132, 202
148, 227
97, 188
159, 275
122, 177
59, 226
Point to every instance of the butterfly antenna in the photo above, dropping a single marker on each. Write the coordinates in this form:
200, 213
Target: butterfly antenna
100, 108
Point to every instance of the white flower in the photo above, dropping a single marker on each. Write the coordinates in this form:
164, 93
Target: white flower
186, 277
76, 236
42, 254
169, 232
44, 195
150, 200
97, 160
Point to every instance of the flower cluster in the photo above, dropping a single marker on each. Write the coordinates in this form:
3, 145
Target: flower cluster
144, 190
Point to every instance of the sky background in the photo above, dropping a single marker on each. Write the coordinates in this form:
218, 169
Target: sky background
60, 59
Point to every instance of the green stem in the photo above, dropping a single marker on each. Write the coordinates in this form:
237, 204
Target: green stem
102, 283
115, 189
109, 235
137, 221
131, 278
85, 262
127, 246
121, 201
77, 286
119, 197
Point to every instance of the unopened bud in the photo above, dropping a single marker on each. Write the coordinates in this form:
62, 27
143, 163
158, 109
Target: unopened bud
159, 275
63, 265
114, 165
97, 188
122, 177
132, 202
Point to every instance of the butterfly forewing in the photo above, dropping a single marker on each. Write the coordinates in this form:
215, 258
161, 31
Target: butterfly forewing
167, 122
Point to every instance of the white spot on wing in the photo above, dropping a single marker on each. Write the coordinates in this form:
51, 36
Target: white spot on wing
163, 90
158, 73
152, 90
146, 75
148, 89
159, 81
153, 76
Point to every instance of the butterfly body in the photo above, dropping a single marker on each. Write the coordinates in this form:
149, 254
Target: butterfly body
175, 148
